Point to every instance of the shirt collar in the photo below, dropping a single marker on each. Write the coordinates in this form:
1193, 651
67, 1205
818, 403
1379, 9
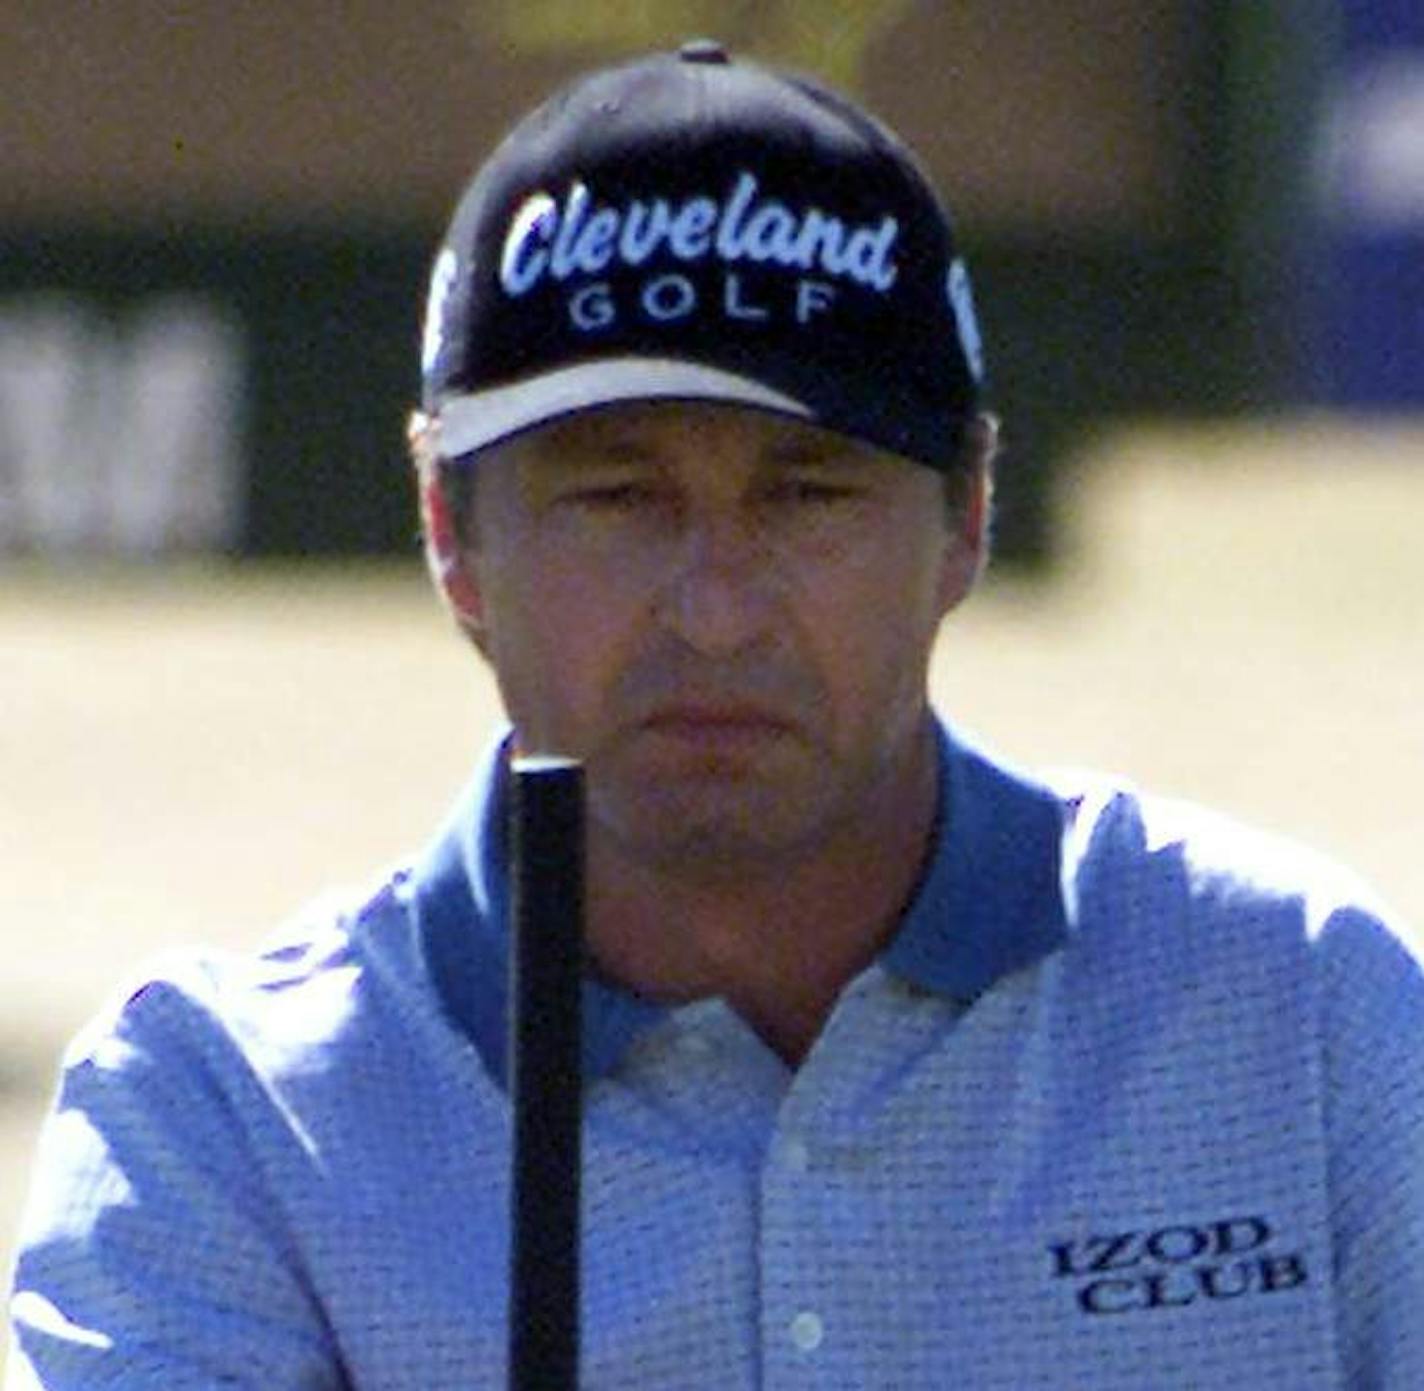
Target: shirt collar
990, 903
991, 900
462, 902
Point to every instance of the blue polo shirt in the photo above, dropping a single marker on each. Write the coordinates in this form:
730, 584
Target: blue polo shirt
1133, 1099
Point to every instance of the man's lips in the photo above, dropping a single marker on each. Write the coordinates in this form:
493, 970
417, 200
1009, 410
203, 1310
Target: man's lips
728, 724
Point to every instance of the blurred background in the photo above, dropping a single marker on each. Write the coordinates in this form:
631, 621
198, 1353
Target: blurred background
1198, 236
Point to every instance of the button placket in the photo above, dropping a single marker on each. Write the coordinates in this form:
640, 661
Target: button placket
793, 1317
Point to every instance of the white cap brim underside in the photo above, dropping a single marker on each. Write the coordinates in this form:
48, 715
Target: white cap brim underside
478, 420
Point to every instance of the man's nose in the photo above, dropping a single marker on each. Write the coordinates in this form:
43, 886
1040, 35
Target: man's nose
720, 593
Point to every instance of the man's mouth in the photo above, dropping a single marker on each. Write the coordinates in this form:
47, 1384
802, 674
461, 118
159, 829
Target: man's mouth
717, 725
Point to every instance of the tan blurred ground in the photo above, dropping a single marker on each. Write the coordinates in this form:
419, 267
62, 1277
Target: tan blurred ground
189, 754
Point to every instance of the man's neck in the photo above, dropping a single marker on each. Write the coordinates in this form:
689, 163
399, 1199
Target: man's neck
778, 942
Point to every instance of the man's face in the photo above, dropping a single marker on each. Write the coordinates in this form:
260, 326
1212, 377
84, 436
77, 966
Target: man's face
728, 616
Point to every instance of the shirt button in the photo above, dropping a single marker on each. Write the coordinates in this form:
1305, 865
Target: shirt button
807, 1331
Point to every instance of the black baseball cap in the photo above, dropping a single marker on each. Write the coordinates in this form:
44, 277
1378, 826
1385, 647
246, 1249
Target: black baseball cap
690, 227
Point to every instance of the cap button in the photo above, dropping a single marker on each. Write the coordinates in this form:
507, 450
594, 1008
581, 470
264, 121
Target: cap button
703, 51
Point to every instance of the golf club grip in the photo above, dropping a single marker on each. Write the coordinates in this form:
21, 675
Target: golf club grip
546, 971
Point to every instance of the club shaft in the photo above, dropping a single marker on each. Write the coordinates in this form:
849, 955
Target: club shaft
546, 971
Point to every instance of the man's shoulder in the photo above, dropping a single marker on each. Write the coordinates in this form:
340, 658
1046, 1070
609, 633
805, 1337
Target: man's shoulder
1117, 833
341, 955
1208, 870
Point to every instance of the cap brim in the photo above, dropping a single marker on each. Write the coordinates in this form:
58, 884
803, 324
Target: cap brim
484, 418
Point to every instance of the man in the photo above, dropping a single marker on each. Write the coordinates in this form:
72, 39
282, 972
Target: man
902, 1069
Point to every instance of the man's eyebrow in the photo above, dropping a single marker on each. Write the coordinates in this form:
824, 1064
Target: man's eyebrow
583, 450
814, 451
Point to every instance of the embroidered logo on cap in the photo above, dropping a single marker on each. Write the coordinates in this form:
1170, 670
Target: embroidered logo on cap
546, 240
961, 302
580, 239
442, 281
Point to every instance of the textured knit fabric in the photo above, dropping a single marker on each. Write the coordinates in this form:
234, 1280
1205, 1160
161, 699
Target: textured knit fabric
1135, 1100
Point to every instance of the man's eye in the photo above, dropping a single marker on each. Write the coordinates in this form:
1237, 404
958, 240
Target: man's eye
812, 491
610, 497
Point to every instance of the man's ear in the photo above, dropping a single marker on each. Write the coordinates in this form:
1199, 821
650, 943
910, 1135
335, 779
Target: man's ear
448, 565
972, 530
444, 557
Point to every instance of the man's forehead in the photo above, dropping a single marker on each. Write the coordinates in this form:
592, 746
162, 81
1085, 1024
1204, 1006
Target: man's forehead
635, 426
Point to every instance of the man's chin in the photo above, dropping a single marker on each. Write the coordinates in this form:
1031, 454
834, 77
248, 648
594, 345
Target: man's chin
710, 827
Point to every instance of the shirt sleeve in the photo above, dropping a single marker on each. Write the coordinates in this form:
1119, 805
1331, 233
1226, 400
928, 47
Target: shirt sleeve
1374, 1116
151, 1252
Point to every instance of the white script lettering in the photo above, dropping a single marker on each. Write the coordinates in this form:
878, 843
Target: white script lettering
547, 240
